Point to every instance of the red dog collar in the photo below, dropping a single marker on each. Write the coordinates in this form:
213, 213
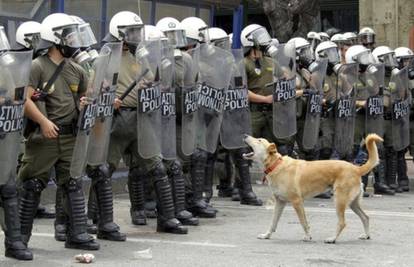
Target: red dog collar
273, 166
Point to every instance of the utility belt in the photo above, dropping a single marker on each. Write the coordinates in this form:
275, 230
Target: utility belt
360, 111
124, 109
130, 109
67, 129
260, 107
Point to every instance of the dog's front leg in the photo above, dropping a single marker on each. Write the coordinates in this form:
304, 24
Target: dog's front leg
300, 211
277, 212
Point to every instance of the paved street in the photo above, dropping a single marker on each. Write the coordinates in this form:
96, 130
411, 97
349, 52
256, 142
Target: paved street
230, 240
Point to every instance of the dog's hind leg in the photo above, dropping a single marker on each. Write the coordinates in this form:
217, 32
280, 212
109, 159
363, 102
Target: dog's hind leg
277, 212
341, 203
300, 211
356, 207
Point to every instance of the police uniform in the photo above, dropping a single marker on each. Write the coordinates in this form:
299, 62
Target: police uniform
41, 154
124, 142
327, 137
261, 114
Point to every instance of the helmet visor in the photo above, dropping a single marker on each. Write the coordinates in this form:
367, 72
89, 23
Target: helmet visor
406, 61
305, 53
365, 58
367, 38
71, 36
203, 33
260, 37
32, 40
223, 43
388, 60
332, 54
176, 38
134, 34
88, 38
4, 42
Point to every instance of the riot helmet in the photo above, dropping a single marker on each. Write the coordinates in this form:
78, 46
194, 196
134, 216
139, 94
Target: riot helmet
61, 30
173, 30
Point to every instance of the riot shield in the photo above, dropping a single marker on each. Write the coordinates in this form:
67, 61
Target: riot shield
148, 57
236, 113
400, 101
189, 98
314, 104
14, 77
374, 111
345, 108
87, 116
215, 73
284, 91
168, 113
100, 135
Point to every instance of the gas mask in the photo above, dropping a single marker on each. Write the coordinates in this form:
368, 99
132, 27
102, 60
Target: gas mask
92, 53
269, 50
81, 56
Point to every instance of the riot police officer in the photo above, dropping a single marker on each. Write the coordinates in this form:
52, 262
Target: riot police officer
14, 75
128, 27
52, 143
405, 58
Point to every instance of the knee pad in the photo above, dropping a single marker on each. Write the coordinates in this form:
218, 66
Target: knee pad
284, 150
74, 185
98, 173
176, 168
199, 155
34, 185
159, 170
8, 191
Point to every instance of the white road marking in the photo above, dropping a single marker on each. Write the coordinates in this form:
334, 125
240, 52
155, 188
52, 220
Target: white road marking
328, 210
374, 213
159, 241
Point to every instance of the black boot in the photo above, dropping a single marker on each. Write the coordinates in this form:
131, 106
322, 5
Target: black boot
364, 180
324, 195
101, 183
224, 187
150, 204
209, 176
403, 181
74, 203
92, 227
14, 247
390, 164
247, 196
235, 193
178, 189
198, 206
136, 196
61, 220
29, 200
380, 186
166, 221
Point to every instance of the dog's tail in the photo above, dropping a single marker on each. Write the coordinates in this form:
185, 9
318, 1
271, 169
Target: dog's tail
373, 158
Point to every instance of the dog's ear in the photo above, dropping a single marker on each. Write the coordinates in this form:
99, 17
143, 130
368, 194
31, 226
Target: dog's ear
271, 149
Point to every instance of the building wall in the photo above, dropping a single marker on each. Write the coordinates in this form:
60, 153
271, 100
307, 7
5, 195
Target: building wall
390, 19
14, 12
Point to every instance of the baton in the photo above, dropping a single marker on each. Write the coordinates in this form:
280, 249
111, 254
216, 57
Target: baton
132, 85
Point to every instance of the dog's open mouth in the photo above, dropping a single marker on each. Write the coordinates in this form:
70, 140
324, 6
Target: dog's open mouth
248, 155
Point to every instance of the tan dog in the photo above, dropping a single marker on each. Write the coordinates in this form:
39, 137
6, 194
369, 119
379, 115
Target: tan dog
294, 180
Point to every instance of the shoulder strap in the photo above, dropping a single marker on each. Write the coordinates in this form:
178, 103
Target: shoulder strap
54, 76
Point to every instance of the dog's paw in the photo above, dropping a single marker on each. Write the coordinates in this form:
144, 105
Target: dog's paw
330, 240
364, 237
264, 236
307, 238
